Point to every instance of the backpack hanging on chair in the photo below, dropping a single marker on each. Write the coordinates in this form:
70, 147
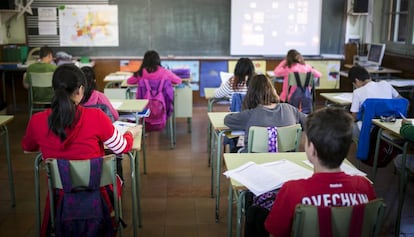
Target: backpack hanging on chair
302, 97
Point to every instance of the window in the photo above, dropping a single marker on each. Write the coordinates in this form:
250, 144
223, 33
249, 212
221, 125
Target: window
399, 33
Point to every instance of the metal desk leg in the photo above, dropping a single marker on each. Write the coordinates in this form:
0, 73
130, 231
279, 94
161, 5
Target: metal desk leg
37, 162
9, 165
211, 158
240, 204
374, 168
401, 190
218, 164
230, 211
136, 206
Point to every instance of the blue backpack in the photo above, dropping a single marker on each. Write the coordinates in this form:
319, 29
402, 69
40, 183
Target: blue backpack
83, 211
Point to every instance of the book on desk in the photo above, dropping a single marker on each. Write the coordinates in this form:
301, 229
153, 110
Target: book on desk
261, 178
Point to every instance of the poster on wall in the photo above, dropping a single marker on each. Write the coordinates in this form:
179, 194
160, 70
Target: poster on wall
88, 25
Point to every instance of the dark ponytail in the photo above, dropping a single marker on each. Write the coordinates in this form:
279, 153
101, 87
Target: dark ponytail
66, 81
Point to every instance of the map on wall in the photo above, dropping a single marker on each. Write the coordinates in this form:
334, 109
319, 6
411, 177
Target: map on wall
88, 25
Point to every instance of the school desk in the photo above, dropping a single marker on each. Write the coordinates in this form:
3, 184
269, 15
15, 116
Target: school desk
341, 99
133, 106
216, 135
4, 120
211, 100
390, 133
374, 71
135, 185
234, 160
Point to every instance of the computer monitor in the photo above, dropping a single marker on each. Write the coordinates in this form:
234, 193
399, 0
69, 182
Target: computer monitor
375, 54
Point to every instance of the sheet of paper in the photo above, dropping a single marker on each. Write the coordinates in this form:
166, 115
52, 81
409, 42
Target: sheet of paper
116, 105
268, 176
344, 96
122, 127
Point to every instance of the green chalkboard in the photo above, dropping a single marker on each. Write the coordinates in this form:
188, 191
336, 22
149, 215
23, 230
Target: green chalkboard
193, 28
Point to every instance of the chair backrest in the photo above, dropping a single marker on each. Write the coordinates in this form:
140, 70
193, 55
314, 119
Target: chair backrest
302, 76
362, 220
41, 79
80, 172
40, 90
288, 138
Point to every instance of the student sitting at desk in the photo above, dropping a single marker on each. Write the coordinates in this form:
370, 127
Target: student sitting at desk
366, 88
70, 131
94, 97
151, 69
293, 62
243, 72
262, 108
326, 150
45, 64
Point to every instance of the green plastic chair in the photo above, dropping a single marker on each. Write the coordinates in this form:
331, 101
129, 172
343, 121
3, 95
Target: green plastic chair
39, 85
306, 220
80, 173
288, 138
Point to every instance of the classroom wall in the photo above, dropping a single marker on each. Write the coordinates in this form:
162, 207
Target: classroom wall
181, 28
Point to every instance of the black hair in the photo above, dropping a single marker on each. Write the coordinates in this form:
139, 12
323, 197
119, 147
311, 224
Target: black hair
45, 51
330, 131
90, 83
358, 72
150, 62
244, 68
67, 79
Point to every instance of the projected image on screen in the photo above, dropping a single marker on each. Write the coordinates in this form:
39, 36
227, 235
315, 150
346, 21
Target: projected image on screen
272, 27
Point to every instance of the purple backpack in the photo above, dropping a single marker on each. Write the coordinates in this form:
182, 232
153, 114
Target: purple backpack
83, 211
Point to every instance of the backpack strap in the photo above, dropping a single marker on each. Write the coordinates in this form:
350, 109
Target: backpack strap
307, 81
161, 86
94, 174
148, 89
298, 83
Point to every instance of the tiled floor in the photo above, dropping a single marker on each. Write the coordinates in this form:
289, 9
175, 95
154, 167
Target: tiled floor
175, 193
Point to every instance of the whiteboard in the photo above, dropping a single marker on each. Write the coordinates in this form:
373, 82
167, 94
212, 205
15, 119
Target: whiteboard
272, 27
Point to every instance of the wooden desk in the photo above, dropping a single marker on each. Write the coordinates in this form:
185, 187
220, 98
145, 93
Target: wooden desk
234, 160
4, 120
217, 132
116, 78
402, 85
390, 132
375, 73
335, 99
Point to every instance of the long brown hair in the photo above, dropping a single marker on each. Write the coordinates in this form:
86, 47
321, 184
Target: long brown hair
260, 92
293, 57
